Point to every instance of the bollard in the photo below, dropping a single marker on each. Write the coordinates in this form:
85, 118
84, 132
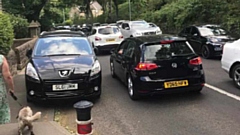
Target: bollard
84, 120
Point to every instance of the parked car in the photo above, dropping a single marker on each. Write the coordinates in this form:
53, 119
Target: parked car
155, 26
119, 22
104, 38
157, 64
96, 24
231, 61
207, 40
62, 65
138, 28
112, 24
104, 24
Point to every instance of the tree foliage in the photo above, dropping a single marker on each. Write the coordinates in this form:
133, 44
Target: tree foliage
6, 34
173, 15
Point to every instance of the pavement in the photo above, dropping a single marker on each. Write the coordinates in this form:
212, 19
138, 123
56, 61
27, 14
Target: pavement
39, 128
45, 126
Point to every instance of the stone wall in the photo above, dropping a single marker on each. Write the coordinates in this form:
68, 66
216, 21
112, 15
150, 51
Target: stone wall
12, 61
21, 51
17, 58
18, 42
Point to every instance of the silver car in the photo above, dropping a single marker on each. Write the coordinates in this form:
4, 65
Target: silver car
138, 28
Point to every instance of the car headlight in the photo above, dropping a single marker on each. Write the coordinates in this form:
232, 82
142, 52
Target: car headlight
158, 32
214, 40
137, 34
31, 71
96, 68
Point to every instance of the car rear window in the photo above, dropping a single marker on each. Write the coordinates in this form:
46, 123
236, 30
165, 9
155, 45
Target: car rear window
166, 51
62, 45
108, 30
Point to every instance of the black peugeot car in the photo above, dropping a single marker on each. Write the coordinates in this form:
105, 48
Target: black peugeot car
157, 64
206, 40
62, 65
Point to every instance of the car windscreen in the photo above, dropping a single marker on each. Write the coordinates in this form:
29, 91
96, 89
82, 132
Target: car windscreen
218, 31
62, 46
206, 32
140, 24
166, 51
108, 30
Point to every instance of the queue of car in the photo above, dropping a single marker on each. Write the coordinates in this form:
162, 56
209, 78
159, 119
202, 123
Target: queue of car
64, 63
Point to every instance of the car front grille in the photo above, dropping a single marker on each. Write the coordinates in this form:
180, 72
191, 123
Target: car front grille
149, 33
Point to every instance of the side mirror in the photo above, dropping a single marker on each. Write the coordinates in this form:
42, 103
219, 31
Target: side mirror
195, 35
95, 50
127, 28
112, 51
29, 53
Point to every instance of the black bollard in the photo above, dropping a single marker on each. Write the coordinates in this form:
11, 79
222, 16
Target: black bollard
84, 124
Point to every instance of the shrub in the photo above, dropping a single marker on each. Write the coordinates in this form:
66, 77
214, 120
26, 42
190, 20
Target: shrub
20, 26
68, 22
6, 34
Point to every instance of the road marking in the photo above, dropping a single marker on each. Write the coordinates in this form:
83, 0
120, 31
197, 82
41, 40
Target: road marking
222, 92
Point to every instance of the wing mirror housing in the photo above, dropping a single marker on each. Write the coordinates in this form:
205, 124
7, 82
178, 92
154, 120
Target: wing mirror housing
127, 28
96, 50
112, 51
29, 53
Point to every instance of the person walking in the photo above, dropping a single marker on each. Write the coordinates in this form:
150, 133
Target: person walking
6, 83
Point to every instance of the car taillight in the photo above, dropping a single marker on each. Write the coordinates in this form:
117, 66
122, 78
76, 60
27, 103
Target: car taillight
146, 66
97, 39
121, 36
195, 61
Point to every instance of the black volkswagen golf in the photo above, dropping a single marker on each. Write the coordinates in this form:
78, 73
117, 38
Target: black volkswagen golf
157, 64
62, 65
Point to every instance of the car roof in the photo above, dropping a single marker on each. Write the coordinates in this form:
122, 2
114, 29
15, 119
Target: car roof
59, 33
100, 27
205, 25
158, 38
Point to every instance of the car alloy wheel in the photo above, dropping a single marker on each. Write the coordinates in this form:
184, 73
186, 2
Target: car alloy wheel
236, 75
206, 52
112, 70
131, 91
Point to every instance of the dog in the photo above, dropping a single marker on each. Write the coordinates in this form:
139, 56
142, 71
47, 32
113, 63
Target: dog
26, 118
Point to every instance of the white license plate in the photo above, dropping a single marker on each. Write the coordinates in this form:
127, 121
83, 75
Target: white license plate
70, 86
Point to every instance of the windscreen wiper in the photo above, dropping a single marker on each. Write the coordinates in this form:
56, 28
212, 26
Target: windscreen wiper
59, 55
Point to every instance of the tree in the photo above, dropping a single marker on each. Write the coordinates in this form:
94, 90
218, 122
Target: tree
116, 7
31, 9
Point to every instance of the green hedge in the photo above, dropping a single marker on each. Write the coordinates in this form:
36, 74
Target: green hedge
6, 34
20, 26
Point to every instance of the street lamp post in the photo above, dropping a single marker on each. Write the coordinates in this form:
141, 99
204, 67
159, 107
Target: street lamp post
130, 10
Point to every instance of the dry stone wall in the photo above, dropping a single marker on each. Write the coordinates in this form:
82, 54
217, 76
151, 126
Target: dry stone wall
17, 58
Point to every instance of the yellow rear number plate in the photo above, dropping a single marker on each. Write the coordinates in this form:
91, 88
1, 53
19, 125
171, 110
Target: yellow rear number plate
110, 40
174, 84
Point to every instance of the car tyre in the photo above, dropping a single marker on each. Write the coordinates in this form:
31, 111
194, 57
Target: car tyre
112, 70
198, 90
206, 52
131, 90
236, 75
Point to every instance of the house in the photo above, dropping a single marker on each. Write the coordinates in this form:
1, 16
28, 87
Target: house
95, 7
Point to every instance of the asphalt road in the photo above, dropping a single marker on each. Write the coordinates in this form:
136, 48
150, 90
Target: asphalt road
210, 112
